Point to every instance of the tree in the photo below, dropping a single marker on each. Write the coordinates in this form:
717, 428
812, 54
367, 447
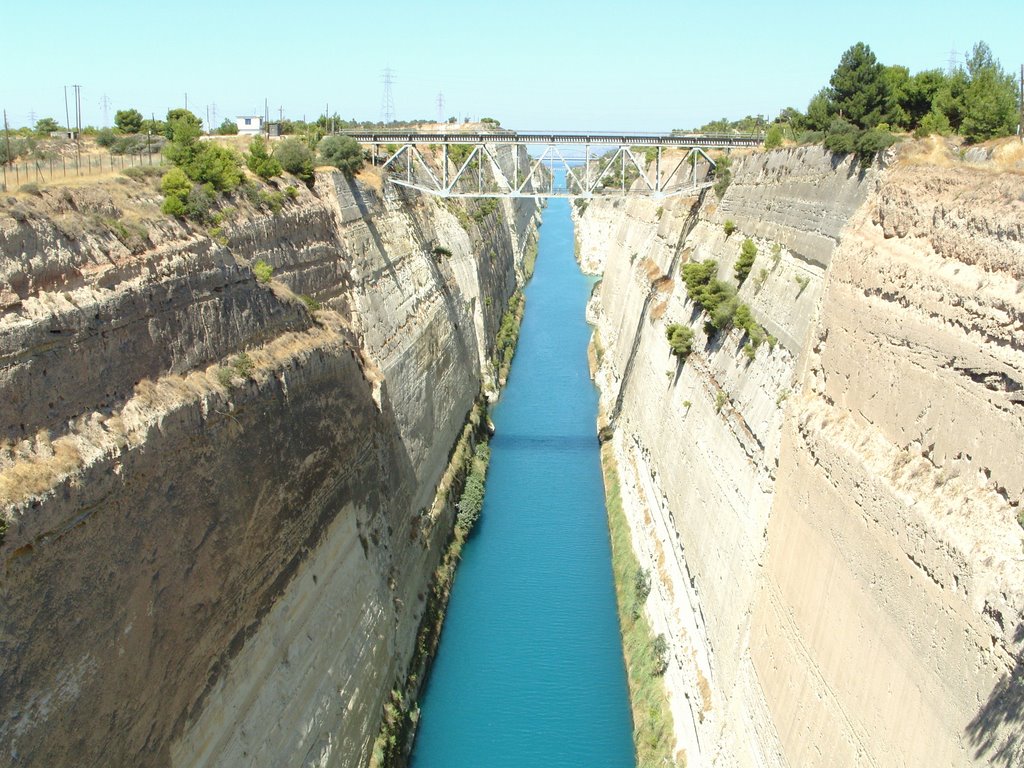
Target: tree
897, 84
773, 137
858, 88
919, 94
184, 136
342, 152
181, 115
990, 99
295, 157
47, 125
228, 127
819, 111
128, 120
259, 160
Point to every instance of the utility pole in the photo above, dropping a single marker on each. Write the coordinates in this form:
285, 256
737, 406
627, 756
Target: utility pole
7, 138
209, 129
440, 107
1020, 125
186, 99
67, 114
32, 117
78, 110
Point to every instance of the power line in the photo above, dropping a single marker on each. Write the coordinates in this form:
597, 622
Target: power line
387, 104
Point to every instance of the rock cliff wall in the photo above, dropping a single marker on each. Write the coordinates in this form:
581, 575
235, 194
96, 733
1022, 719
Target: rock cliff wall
216, 491
833, 522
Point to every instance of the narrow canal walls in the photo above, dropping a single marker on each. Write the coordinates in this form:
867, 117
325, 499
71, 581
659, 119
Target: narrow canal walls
221, 453
829, 518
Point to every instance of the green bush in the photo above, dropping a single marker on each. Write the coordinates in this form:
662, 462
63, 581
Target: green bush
723, 175
343, 152
841, 137
935, 122
295, 158
773, 137
219, 166
175, 186
106, 138
680, 340
697, 275
259, 160
729, 226
227, 128
262, 271
748, 252
272, 200
872, 141
486, 207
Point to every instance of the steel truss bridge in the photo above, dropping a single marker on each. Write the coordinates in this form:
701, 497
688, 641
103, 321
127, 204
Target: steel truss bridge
544, 165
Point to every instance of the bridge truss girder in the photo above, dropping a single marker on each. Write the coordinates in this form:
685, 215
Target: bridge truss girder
585, 181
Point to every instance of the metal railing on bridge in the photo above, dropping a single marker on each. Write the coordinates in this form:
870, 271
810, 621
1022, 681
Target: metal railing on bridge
467, 164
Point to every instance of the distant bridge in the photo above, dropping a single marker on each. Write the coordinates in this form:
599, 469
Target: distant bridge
463, 164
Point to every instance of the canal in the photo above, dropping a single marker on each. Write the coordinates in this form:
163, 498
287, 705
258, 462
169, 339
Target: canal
529, 672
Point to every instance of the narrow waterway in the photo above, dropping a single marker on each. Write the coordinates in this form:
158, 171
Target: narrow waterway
529, 672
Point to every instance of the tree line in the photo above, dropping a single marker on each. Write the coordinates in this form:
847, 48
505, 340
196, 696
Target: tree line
866, 102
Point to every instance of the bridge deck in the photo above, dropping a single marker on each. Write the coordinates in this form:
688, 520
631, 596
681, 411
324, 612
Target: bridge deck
712, 141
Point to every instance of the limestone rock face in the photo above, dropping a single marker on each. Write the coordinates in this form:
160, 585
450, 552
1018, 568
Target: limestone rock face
215, 489
832, 521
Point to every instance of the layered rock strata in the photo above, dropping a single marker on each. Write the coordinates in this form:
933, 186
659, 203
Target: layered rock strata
833, 522
216, 491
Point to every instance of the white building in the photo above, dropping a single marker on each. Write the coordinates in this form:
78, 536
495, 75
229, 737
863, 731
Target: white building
249, 124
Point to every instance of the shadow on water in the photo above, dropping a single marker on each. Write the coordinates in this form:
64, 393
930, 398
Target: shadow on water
995, 732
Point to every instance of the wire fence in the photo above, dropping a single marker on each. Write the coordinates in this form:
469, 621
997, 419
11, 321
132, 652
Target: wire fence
18, 174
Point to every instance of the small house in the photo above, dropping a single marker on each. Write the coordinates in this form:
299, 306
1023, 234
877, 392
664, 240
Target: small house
249, 125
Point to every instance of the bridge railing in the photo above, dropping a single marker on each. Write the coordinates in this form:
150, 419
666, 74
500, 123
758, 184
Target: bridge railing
707, 140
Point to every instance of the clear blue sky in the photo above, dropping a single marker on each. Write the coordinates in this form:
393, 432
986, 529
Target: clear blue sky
530, 63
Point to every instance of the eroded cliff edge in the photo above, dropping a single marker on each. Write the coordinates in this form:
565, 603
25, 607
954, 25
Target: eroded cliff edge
217, 491
833, 522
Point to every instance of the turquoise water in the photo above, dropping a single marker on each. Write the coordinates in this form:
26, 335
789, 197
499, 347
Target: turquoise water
529, 671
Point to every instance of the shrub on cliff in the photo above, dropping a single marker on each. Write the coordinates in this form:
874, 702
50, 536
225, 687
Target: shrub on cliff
660, 650
471, 502
295, 157
697, 275
680, 340
748, 252
773, 137
343, 152
259, 160
175, 185
723, 174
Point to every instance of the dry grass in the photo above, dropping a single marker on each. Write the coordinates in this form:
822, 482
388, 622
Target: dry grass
36, 473
941, 152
